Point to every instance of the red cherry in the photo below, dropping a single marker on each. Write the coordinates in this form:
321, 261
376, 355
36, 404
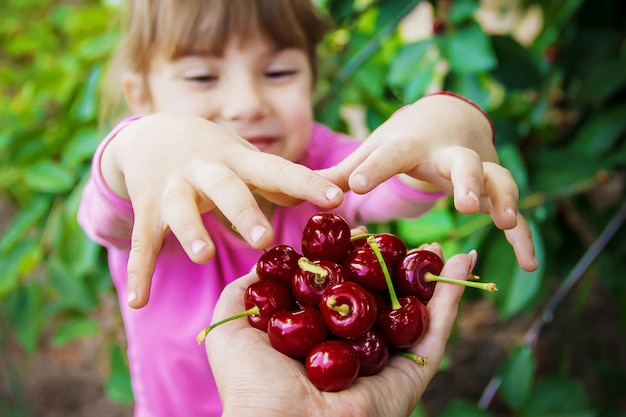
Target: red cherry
362, 267
278, 263
409, 275
295, 333
312, 278
261, 300
268, 296
348, 309
403, 326
332, 365
390, 245
373, 351
326, 235
439, 26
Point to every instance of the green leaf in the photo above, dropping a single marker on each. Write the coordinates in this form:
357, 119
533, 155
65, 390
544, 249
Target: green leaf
456, 408
469, 50
473, 86
600, 135
118, 385
71, 329
556, 170
516, 288
463, 10
512, 159
24, 307
517, 376
431, 227
71, 292
23, 223
405, 66
556, 397
48, 177
517, 67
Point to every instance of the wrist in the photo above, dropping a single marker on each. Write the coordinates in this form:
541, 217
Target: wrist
106, 158
471, 103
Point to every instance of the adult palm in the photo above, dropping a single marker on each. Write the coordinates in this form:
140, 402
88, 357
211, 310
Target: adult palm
255, 380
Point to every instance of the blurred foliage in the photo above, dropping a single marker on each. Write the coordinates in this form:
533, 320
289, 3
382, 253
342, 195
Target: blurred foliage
551, 74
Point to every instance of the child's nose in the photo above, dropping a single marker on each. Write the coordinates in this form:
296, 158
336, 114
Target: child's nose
244, 101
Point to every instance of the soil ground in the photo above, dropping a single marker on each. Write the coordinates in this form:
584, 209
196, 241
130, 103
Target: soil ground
68, 381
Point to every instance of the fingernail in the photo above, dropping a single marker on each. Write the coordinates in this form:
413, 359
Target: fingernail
361, 180
473, 196
332, 193
197, 246
511, 211
257, 232
132, 297
474, 255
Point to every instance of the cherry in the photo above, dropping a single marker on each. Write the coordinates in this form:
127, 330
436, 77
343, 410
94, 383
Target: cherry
261, 300
418, 272
403, 324
268, 296
405, 319
295, 333
348, 309
313, 277
439, 26
363, 267
410, 273
390, 245
332, 365
326, 235
373, 351
278, 263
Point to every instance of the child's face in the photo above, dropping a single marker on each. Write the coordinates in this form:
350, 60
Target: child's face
259, 92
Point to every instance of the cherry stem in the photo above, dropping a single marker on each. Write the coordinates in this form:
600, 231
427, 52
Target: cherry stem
487, 286
420, 360
203, 334
319, 272
362, 235
342, 309
395, 304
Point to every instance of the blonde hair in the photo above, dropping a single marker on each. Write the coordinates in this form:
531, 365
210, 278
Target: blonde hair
179, 27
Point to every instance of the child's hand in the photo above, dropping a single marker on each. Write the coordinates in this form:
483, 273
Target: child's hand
442, 143
256, 380
175, 167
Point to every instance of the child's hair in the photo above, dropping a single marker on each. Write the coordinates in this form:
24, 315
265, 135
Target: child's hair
177, 28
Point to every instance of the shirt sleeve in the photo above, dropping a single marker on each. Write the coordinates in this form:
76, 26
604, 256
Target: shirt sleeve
105, 217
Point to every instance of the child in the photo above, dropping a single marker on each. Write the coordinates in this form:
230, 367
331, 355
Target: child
223, 135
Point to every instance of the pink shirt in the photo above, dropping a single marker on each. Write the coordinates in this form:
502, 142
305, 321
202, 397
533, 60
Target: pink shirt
170, 373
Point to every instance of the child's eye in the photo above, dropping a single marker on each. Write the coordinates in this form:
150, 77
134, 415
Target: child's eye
201, 78
280, 73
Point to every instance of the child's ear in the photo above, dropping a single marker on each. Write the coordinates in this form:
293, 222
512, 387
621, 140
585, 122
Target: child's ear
136, 93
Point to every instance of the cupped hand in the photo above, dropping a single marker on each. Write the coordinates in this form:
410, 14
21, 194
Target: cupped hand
442, 143
255, 380
175, 167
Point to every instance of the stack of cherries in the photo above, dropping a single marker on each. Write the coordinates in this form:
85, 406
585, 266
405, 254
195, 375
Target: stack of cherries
334, 305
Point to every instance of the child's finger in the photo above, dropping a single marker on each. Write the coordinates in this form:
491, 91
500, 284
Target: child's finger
503, 193
235, 201
465, 169
180, 212
521, 240
266, 172
146, 241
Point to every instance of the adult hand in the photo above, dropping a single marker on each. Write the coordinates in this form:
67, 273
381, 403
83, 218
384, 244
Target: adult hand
175, 167
255, 380
442, 143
